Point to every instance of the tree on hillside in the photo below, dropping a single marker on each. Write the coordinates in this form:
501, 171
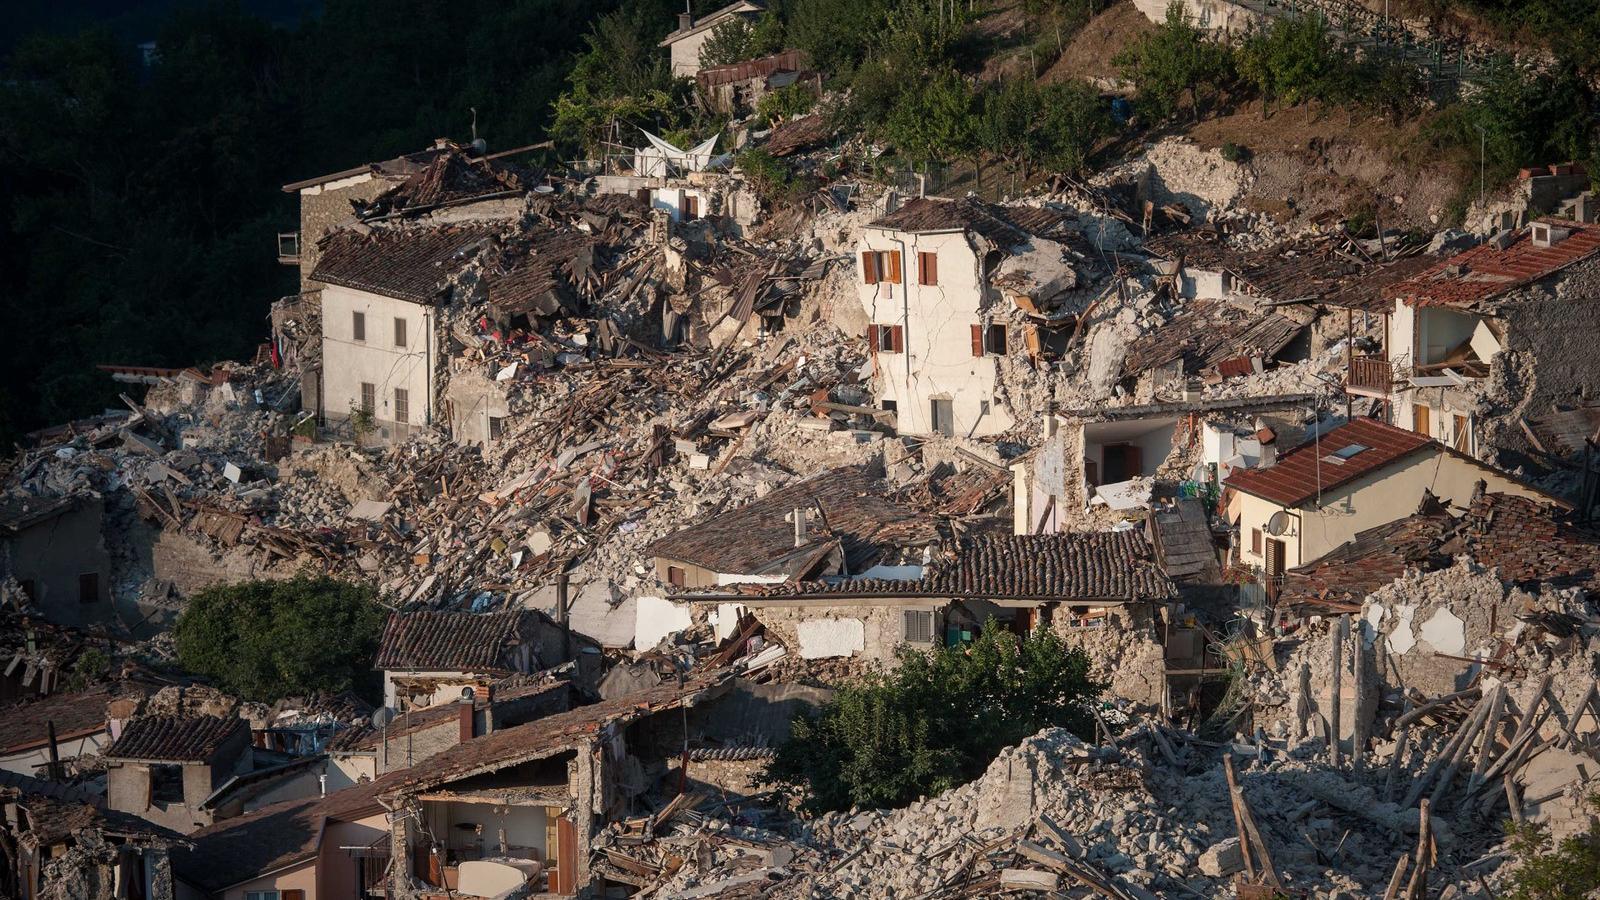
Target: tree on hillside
621, 79
935, 120
1075, 119
1293, 60
266, 640
1178, 60
936, 721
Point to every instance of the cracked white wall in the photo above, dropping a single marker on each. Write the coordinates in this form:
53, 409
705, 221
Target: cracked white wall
376, 358
938, 363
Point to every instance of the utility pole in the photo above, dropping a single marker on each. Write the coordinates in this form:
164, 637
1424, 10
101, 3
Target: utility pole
1483, 139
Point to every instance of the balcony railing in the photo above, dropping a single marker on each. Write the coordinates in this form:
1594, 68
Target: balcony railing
1370, 375
289, 248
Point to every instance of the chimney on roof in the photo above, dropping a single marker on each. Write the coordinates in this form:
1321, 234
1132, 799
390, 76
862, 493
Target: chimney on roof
1547, 235
798, 517
686, 18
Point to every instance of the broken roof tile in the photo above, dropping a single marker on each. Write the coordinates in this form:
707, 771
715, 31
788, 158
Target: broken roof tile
1092, 566
453, 641
175, 738
414, 264
1487, 271
759, 536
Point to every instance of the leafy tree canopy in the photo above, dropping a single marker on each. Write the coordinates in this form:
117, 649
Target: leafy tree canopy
266, 640
935, 721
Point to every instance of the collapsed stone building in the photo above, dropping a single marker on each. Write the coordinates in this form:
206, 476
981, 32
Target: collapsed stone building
596, 443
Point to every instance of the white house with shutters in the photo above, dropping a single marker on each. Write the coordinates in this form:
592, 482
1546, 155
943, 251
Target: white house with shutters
946, 286
381, 300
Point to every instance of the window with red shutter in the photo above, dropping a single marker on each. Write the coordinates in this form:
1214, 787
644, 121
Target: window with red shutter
928, 268
894, 267
872, 337
897, 338
869, 267
977, 340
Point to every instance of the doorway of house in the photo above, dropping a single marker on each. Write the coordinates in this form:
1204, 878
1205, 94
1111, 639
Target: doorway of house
1122, 462
944, 417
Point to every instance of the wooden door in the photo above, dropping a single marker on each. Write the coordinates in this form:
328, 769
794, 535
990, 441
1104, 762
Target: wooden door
565, 878
1276, 555
1419, 420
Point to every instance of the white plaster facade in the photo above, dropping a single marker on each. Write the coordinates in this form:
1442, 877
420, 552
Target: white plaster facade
1440, 407
33, 760
935, 363
352, 360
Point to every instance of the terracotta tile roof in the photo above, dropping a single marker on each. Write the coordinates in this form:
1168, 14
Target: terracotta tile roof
1086, 566
1211, 333
552, 734
1486, 271
1528, 542
1297, 475
1004, 225
449, 177
52, 820
276, 836
798, 134
758, 537
1562, 431
175, 738
453, 641
1370, 291
239, 849
75, 715
537, 277
413, 264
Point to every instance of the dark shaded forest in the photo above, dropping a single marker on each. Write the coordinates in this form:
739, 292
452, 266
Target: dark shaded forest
140, 198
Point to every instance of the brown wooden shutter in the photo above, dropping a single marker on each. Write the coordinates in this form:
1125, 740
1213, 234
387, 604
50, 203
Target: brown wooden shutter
894, 268
872, 338
293, 894
897, 338
977, 340
869, 267
928, 268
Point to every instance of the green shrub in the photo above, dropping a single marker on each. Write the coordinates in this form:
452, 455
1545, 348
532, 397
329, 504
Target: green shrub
1178, 60
1234, 153
1570, 871
266, 640
787, 102
935, 721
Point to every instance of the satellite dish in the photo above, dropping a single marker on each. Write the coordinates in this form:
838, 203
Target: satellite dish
381, 717
1278, 524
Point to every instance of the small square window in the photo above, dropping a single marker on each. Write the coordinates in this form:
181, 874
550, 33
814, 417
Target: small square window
358, 326
497, 427
919, 626
369, 397
399, 332
890, 406
675, 576
402, 405
1255, 541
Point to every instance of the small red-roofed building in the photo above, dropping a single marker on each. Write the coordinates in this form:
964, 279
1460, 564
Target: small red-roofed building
1355, 477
